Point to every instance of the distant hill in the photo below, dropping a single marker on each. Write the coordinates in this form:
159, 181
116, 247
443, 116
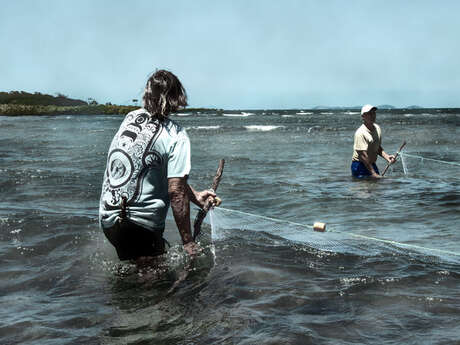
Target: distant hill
381, 106
37, 98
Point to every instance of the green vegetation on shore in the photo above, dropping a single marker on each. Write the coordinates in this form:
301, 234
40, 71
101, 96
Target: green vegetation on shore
99, 109
17, 103
21, 109
37, 98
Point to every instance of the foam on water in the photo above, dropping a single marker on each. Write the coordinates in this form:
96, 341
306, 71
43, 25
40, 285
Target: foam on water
264, 128
204, 127
237, 115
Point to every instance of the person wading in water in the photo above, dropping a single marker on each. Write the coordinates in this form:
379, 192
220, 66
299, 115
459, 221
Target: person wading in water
368, 145
148, 164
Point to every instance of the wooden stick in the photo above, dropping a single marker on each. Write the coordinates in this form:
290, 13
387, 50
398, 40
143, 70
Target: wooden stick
396, 156
204, 211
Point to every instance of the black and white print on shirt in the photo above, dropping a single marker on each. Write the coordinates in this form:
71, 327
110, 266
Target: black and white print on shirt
131, 155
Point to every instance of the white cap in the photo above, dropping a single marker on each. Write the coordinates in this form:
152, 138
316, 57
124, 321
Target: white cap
366, 108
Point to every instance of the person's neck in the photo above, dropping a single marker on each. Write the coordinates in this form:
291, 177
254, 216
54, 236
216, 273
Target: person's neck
369, 125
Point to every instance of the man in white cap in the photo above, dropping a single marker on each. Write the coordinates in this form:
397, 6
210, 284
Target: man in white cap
368, 145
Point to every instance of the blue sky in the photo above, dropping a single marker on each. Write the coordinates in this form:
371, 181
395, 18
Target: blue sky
237, 54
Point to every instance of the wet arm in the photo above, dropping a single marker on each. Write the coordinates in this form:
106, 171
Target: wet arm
384, 155
179, 196
193, 195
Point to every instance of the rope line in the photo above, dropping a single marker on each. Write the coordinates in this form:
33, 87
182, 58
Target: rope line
448, 252
429, 159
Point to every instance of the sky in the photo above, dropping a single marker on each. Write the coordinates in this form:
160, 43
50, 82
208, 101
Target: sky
237, 54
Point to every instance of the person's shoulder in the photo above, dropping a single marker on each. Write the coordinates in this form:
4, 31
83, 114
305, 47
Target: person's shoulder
134, 113
137, 111
361, 129
173, 125
175, 129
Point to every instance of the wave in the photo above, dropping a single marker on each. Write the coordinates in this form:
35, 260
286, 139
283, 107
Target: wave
327, 113
287, 115
203, 127
183, 114
243, 114
265, 128
304, 113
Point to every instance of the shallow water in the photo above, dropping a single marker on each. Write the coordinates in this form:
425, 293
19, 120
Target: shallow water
386, 271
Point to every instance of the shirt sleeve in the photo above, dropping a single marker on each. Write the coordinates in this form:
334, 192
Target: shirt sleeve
361, 143
179, 159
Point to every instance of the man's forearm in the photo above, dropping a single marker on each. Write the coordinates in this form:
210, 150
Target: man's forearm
192, 195
180, 204
385, 156
364, 158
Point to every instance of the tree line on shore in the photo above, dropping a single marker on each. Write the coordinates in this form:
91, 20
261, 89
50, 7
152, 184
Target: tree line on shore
16, 103
25, 103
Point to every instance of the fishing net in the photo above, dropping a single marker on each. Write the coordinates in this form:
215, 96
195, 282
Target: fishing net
415, 165
227, 223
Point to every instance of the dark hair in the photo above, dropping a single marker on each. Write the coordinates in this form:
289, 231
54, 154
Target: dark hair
163, 94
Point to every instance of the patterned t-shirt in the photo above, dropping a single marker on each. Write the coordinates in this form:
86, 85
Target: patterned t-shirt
143, 154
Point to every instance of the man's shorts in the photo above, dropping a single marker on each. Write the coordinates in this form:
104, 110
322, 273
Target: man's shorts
132, 241
359, 170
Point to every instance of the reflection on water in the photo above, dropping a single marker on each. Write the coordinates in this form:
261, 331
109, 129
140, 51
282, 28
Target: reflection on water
363, 189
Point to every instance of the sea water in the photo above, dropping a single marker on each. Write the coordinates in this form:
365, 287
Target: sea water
386, 271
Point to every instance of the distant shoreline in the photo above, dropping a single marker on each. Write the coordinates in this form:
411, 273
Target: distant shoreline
99, 109
23, 109
110, 109
22, 103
